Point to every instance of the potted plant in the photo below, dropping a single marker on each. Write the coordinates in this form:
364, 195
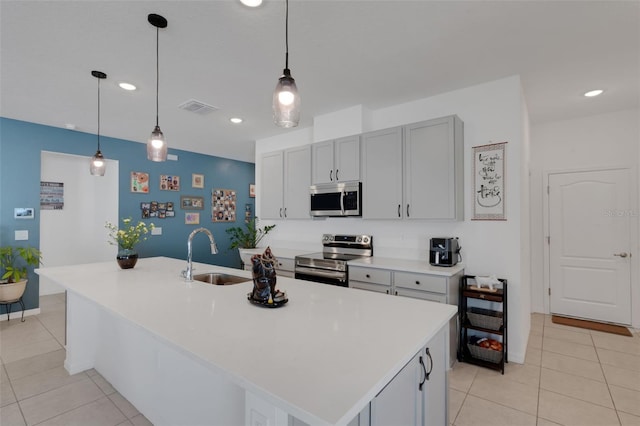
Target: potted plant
247, 237
13, 269
126, 239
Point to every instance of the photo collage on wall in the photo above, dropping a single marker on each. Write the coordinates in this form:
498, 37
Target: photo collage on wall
223, 205
158, 210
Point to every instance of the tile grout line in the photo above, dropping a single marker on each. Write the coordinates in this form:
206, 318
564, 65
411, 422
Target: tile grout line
613, 401
540, 376
14, 395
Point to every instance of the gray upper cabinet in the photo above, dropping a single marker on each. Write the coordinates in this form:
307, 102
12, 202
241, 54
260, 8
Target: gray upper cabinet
336, 160
414, 171
285, 181
433, 174
382, 174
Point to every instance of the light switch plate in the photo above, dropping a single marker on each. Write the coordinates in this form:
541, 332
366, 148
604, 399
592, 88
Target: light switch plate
156, 231
22, 235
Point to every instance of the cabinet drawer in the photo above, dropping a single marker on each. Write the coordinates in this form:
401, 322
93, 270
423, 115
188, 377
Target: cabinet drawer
432, 283
285, 265
378, 288
370, 275
425, 295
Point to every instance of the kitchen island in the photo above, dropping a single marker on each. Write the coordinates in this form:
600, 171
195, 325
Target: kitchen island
194, 353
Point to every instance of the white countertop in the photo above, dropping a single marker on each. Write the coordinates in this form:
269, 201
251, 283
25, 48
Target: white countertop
321, 357
407, 265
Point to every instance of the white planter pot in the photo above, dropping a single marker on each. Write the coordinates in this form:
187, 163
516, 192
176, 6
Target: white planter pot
12, 292
246, 253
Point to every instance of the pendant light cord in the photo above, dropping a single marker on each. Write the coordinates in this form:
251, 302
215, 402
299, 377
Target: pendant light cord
98, 114
286, 34
157, 71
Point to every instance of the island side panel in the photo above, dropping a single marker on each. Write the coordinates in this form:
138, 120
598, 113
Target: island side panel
165, 385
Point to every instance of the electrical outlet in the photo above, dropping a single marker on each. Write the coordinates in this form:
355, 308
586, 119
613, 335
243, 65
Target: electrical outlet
22, 235
156, 231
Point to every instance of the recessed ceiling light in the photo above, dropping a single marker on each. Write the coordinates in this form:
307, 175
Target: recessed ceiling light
592, 93
236, 120
251, 3
127, 86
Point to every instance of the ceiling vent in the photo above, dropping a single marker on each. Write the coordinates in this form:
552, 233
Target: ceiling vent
198, 107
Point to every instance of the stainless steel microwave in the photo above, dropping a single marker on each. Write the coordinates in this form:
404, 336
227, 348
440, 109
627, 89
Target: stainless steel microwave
336, 199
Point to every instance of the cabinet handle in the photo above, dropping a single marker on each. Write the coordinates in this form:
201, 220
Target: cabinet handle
368, 276
408, 210
285, 212
337, 178
424, 377
396, 292
386, 291
280, 211
331, 175
418, 282
399, 207
430, 363
622, 255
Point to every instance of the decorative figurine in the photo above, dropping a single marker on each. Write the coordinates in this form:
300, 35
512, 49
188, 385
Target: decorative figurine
264, 280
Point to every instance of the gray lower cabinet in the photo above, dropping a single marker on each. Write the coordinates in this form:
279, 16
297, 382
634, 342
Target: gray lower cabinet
435, 288
415, 396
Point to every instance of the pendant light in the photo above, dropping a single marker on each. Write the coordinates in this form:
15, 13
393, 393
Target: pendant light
286, 101
157, 146
98, 164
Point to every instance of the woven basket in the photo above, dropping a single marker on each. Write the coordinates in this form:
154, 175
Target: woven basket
485, 318
485, 354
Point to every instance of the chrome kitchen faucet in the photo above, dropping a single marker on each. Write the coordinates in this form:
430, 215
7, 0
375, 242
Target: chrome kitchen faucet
188, 273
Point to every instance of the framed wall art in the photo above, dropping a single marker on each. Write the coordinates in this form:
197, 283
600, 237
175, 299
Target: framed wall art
169, 183
489, 182
191, 202
191, 218
51, 195
197, 180
223, 205
140, 182
156, 209
252, 190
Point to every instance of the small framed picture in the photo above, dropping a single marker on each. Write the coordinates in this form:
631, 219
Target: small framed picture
170, 213
191, 218
169, 183
197, 180
140, 182
190, 202
252, 190
24, 213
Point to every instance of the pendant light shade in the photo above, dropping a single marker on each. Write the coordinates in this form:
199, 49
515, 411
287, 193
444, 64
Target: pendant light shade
98, 164
286, 100
157, 145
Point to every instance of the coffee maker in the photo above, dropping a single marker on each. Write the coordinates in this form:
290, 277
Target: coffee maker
444, 251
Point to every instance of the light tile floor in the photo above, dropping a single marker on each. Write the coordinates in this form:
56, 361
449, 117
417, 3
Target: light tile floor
37, 390
571, 376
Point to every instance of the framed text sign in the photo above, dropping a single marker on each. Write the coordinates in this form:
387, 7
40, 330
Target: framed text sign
489, 182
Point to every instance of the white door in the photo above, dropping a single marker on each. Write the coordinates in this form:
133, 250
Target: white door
589, 246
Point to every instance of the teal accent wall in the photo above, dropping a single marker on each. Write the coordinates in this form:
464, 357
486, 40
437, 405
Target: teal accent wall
21, 144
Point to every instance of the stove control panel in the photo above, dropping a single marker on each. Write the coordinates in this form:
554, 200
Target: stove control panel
347, 240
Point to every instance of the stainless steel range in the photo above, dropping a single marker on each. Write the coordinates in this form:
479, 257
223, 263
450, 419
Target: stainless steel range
330, 266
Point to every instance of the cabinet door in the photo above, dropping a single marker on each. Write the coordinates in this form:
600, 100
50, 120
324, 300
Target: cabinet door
399, 403
297, 181
382, 174
322, 163
432, 178
347, 159
434, 391
272, 182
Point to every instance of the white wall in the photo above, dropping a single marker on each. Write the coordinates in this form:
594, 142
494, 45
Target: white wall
590, 142
492, 112
77, 234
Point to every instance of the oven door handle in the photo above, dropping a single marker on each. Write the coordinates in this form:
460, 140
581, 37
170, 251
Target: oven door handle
320, 272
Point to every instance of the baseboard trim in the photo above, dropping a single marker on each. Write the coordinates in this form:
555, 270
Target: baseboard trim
18, 314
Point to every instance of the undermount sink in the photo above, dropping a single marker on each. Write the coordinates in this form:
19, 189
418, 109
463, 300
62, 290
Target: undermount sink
217, 278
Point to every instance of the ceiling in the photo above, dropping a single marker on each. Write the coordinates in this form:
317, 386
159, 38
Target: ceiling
342, 53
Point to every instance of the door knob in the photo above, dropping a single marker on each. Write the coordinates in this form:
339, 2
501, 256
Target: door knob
623, 255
